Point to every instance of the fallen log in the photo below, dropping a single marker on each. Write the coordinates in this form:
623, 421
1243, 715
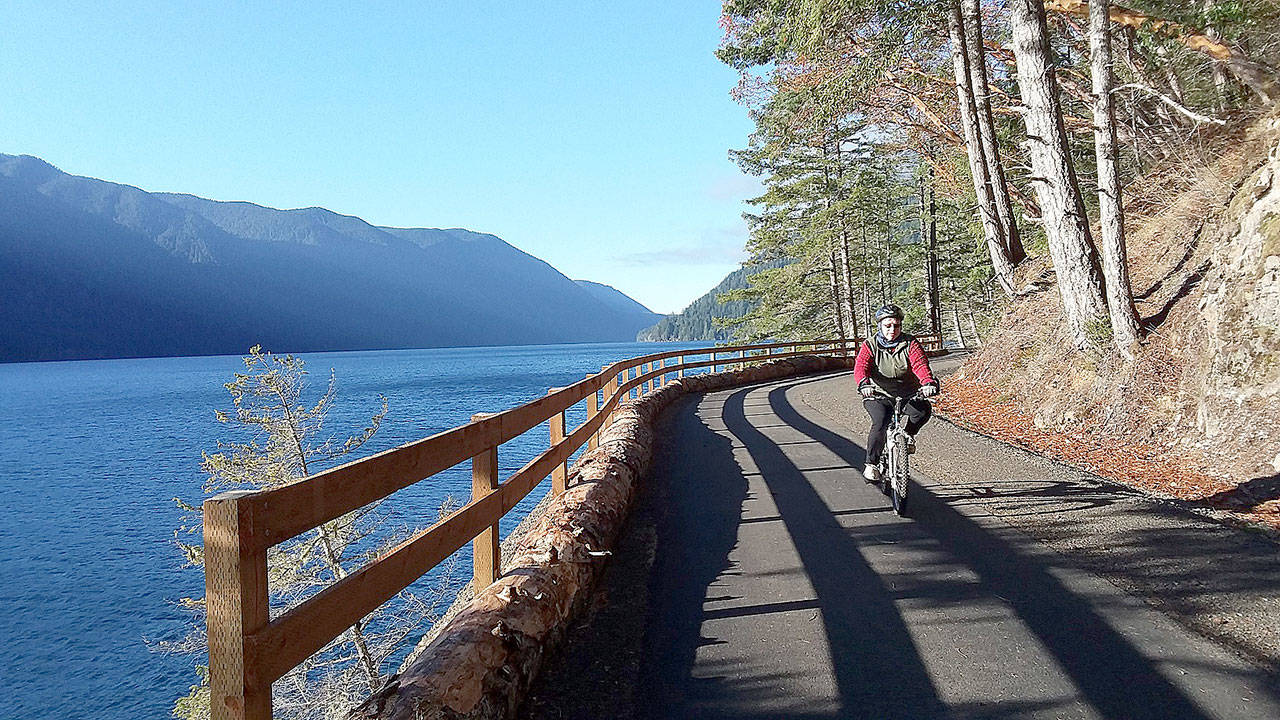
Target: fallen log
480, 664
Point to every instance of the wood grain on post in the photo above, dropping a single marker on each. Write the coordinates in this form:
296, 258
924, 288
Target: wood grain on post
680, 364
560, 474
237, 606
485, 546
593, 408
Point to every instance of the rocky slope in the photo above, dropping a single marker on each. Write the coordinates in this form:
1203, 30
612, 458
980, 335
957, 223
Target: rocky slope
1197, 414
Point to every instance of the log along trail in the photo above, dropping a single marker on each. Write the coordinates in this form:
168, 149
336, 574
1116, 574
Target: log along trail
760, 576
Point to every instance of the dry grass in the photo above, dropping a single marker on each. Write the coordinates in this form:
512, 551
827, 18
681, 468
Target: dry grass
1135, 423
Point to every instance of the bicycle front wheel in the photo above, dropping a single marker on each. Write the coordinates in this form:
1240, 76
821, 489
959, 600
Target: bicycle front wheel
899, 474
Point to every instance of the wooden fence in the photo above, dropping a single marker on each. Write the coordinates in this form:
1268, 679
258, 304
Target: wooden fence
248, 650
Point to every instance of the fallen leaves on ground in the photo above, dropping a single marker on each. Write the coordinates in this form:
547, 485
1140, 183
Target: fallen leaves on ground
976, 405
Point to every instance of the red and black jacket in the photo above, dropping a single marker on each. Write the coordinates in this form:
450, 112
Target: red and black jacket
897, 371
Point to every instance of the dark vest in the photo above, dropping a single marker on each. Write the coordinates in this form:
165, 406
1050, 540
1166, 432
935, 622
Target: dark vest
890, 371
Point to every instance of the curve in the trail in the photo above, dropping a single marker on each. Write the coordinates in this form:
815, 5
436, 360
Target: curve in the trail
782, 585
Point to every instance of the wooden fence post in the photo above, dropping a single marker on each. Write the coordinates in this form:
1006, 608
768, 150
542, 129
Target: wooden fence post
236, 593
680, 364
593, 409
713, 362
560, 474
485, 548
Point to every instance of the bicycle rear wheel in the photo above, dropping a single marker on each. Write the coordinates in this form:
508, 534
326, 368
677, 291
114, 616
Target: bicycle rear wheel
899, 474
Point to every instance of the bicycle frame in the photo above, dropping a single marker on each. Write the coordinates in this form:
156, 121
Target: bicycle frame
895, 471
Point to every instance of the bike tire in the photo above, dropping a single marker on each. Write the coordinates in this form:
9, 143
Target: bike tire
899, 475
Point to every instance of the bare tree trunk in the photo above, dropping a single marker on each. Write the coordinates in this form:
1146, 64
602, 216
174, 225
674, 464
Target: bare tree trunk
1054, 178
955, 315
866, 285
973, 325
888, 261
992, 230
1115, 267
977, 61
929, 238
838, 251
933, 304
851, 302
836, 305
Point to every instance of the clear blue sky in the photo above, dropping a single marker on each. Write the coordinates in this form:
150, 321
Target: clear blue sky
593, 134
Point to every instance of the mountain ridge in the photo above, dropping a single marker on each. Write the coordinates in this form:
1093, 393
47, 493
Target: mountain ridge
96, 269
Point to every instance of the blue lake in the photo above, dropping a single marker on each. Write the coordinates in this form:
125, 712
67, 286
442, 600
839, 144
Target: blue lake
92, 454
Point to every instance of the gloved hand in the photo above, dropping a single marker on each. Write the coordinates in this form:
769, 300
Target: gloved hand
928, 391
867, 391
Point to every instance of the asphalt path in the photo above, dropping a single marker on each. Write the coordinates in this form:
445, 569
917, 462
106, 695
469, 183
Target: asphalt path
761, 577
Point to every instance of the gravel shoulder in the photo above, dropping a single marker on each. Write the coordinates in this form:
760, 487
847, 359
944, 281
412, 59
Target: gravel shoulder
1221, 580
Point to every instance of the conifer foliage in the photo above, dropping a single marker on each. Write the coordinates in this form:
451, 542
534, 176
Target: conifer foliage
893, 139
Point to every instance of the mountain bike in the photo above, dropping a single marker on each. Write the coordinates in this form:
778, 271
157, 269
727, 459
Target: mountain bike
895, 465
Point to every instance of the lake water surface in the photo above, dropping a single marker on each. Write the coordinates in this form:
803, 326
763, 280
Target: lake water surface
92, 454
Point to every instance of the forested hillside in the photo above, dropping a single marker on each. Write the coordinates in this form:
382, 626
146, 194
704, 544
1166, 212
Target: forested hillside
1082, 188
94, 269
711, 316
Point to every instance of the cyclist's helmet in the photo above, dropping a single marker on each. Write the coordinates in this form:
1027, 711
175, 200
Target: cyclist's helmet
888, 311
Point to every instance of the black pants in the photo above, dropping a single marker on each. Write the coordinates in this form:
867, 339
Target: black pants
918, 412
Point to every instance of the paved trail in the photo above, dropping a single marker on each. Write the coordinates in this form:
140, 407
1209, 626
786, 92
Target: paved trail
762, 578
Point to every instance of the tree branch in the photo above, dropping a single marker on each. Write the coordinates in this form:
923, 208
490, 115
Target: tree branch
1193, 115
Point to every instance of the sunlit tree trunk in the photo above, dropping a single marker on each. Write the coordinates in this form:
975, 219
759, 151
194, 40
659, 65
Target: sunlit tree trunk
1054, 178
992, 230
977, 62
1115, 269
932, 295
866, 285
851, 302
973, 323
837, 309
888, 261
955, 315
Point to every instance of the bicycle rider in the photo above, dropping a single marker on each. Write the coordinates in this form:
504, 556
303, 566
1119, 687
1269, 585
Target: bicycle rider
892, 364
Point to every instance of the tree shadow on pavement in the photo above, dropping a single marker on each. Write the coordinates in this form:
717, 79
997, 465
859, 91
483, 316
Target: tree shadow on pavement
867, 639
697, 529
1111, 674
877, 670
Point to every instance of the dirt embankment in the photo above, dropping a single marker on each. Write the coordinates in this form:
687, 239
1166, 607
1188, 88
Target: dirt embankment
1196, 415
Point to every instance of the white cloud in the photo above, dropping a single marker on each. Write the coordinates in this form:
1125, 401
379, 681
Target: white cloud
715, 246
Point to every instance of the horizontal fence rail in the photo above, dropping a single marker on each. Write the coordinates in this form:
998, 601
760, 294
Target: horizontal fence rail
248, 650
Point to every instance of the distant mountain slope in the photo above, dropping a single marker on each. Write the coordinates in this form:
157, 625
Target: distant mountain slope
619, 301
697, 322
93, 269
